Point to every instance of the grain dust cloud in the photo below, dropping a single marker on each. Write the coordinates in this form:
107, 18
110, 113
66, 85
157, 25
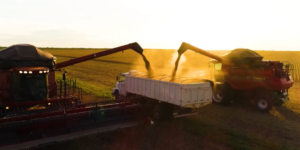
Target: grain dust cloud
165, 61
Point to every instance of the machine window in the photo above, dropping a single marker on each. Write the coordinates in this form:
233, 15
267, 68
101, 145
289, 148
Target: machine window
218, 66
30, 87
122, 78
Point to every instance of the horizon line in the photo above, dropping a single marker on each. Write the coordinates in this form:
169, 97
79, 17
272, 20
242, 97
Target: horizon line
2, 47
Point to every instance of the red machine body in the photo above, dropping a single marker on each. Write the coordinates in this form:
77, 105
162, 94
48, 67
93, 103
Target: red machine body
243, 72
242, 77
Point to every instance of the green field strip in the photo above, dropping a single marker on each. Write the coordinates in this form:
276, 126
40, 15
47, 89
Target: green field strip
296, 72
294, 75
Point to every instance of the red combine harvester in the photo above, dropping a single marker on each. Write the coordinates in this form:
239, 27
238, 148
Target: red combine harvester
27, 76
34, 105
243, 74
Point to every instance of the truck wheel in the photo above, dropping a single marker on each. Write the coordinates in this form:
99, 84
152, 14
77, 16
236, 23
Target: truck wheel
263, 102
117, 96
158, 112
168, 111
221, 95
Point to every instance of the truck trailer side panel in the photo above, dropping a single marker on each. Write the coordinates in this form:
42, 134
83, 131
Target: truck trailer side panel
192, 95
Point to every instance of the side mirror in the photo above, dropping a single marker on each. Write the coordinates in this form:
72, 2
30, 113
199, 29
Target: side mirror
117, 78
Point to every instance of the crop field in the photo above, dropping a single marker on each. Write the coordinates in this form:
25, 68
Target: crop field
237, 126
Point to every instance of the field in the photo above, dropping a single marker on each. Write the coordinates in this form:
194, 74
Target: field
238, 126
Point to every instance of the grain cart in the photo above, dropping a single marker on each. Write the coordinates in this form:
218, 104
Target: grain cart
164, 98
242, 73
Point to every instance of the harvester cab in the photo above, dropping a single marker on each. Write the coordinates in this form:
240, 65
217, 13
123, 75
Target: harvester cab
29, 84
215, 70
24, 75
243, 74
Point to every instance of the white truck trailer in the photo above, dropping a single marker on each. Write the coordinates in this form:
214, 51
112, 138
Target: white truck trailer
162, 96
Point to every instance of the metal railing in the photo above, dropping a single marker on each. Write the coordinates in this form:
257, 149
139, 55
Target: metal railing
68, 87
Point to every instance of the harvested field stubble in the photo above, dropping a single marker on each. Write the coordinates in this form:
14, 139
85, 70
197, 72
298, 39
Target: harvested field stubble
238, 126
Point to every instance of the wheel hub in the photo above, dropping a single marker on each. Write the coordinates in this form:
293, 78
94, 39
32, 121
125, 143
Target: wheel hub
262, 104
218, 97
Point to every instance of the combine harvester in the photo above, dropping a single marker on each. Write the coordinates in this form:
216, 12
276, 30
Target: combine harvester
36, 109
242, 74
34, 106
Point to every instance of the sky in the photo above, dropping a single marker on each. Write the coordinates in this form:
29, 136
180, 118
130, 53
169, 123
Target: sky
207, 24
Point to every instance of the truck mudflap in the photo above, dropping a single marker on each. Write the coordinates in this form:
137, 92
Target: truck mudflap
198, 105
184, 115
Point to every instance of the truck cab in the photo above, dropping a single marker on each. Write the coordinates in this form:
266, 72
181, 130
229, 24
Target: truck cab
120, 86
120, 90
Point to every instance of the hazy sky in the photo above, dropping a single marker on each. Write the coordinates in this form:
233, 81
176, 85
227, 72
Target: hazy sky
208, 24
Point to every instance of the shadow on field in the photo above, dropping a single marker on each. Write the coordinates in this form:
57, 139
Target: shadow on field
288, 114
214, 127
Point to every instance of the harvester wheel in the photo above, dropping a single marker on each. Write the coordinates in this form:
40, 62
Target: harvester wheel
263, 102
222, 95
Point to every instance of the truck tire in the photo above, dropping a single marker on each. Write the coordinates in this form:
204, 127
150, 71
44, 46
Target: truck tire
168, 110
222, 95
157, 114
117, 96
163, 112
263, 102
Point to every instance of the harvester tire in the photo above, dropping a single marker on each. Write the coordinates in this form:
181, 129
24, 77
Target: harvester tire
222, 95
263, 102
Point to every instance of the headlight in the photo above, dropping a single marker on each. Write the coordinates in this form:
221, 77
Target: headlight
30, 72
25, 72
20, 72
